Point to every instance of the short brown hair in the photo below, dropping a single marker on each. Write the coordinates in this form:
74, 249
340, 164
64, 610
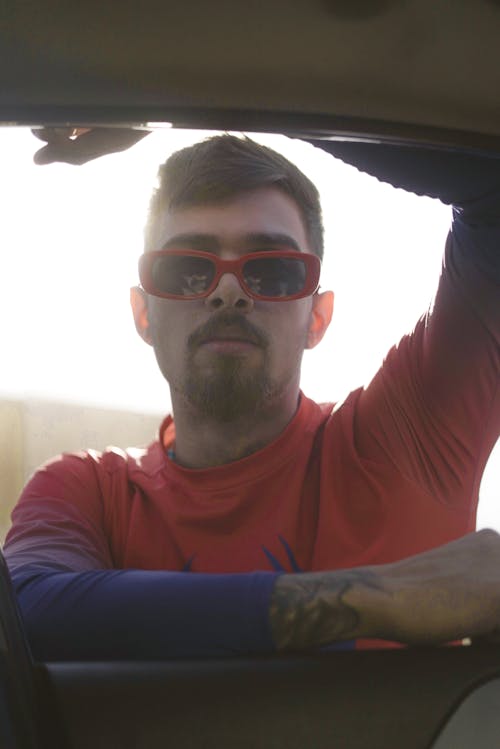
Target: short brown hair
223, 166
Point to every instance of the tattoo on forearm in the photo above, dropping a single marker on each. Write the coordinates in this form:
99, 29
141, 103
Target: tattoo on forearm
308, 610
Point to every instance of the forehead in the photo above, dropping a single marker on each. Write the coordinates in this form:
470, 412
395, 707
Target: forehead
233, 222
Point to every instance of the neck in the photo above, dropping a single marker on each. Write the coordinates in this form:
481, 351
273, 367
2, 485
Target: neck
205, 443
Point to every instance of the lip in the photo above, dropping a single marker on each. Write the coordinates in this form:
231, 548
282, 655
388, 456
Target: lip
229, 345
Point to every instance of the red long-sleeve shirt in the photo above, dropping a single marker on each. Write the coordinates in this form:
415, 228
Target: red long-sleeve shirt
392, 471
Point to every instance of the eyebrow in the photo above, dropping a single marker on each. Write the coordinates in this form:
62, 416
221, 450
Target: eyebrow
193, 241
272, 240
210, 243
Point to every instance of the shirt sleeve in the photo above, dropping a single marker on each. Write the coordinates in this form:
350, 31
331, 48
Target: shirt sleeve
433, 409
139, 614
77, 606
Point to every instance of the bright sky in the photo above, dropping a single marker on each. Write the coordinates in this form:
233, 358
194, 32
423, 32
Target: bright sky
71, 237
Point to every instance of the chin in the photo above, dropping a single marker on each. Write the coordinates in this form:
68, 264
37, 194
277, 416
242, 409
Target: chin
229, 395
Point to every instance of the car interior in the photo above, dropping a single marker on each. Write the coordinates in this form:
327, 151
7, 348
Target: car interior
375, 74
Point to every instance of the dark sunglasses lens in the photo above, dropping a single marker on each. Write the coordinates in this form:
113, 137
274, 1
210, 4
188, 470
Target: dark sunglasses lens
275, 277
182, 275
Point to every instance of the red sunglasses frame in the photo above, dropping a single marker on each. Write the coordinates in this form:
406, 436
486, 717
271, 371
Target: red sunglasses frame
312, 264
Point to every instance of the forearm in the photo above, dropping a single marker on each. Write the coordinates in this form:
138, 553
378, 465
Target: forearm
138, 614
314, 609
441, 595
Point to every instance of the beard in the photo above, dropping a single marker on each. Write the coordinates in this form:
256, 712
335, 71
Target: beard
229, 388
229, 391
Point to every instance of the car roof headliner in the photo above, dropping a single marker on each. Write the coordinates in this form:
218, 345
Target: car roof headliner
425, 68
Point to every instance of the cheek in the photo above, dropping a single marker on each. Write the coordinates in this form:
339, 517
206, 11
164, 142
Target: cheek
169, 328
169, 318
169, 331
291, 321
295, 317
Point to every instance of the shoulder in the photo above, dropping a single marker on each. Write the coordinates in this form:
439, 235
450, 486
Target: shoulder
111, 460
94, 467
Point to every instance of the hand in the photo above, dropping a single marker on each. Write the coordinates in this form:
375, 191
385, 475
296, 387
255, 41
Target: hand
74, 145
447, 593
441, 595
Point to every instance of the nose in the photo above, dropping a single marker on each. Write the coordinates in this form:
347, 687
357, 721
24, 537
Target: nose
229, 293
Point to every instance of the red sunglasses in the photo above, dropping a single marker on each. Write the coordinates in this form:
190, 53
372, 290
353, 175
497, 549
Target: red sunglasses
272, 276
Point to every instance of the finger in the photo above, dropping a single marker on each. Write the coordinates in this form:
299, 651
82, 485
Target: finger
57, 134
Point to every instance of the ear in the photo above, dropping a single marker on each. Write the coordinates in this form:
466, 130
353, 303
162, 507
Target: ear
139, 304
321, 315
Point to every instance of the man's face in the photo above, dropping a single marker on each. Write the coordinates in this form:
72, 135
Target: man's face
227, 355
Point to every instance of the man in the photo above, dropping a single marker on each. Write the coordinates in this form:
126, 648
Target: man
262, 520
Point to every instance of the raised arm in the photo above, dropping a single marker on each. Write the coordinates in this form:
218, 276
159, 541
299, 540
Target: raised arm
433, 410
434, 407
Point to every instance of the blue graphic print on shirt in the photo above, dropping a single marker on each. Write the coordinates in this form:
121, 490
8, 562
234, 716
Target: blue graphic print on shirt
294, 567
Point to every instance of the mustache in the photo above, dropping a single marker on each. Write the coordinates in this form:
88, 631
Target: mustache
218, 325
